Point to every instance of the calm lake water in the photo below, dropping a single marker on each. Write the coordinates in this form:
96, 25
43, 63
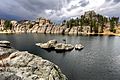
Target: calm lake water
99, 60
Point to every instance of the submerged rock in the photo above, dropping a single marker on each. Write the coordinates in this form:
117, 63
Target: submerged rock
21, 65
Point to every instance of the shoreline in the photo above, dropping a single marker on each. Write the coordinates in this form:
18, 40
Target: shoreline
103, 34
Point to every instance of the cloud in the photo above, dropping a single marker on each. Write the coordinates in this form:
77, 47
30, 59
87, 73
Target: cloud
78, 7
56, 9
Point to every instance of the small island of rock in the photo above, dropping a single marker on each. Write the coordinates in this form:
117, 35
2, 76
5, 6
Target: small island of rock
54, 45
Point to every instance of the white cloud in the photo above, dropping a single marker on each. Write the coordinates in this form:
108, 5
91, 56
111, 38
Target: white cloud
74, 8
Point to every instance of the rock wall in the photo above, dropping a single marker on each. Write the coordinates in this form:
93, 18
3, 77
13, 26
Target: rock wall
45, 29
40, 26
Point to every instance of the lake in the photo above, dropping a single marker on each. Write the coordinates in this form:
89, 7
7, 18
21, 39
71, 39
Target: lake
99, 60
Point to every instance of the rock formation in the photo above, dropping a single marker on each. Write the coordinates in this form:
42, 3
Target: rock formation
52, 44
90, 14
42, 25
79, 46
21, 65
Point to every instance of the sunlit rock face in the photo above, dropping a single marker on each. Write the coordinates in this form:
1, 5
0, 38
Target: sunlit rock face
43, 21
2, 22
89, 14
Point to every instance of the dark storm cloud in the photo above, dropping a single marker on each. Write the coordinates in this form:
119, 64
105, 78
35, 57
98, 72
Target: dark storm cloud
36, 5
108, 0
55, 9
72, 7
84, 3
116, 1
26, 8
31, 6
8, 16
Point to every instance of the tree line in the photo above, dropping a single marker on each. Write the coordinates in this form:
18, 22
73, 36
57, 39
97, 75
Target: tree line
96, 22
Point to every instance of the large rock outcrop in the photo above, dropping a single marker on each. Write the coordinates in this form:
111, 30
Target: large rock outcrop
74, 31
41, 25
21, 65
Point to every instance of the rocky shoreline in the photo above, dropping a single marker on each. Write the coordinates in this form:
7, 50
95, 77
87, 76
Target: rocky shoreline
21, 65
56, 30
45, 26
82, 34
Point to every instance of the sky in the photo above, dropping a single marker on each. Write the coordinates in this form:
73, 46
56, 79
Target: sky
56, 10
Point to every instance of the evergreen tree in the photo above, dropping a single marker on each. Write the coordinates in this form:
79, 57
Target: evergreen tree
112, 24
95, 21
67, 24
77, 22
64, 22
91, 26
8, 25
95, 26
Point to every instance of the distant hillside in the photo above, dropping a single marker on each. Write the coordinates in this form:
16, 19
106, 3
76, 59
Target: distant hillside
96, 22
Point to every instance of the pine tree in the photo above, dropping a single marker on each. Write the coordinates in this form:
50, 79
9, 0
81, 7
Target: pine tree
112, 24
8, 25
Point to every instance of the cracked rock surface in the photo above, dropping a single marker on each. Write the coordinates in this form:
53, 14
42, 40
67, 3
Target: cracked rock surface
21, 65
